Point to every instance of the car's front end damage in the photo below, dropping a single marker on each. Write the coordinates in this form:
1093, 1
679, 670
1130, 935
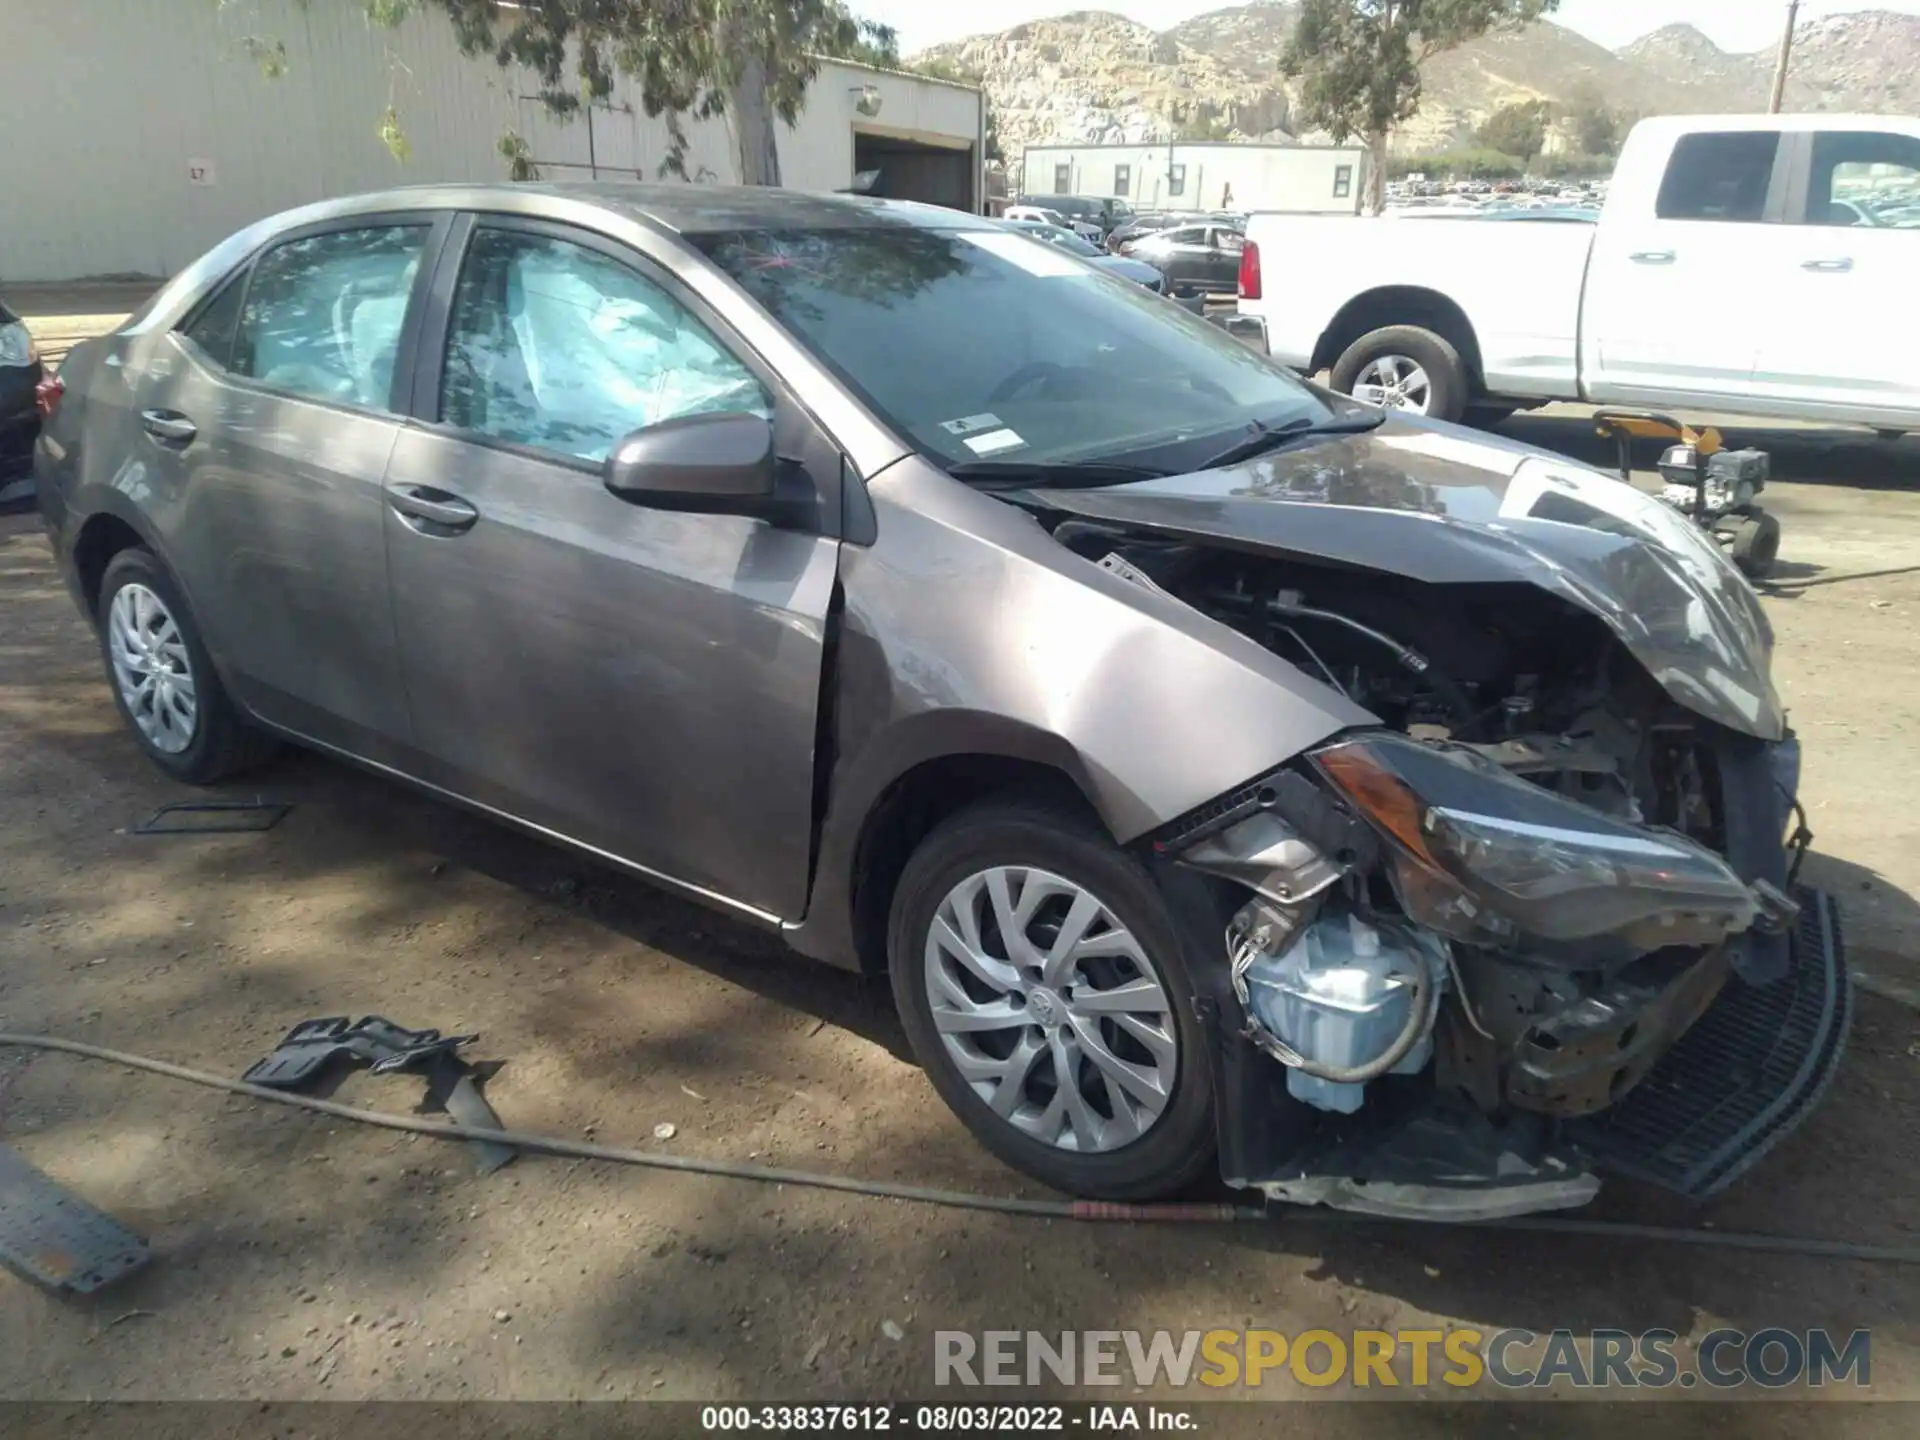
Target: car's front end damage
1543, 920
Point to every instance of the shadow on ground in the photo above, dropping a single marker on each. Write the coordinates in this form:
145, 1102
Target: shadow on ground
301, 1257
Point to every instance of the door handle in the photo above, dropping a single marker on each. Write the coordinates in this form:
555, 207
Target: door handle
1653, 257
169, 426
1829, 267
436, 507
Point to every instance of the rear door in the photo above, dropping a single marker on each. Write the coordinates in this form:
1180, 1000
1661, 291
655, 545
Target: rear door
642, 682
265, 425
1840, 282
1224, 245
1675, 303
1183, 255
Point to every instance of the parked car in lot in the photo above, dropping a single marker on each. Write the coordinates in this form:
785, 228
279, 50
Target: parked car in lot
865, 572
20, 377
1137, 271
1193, 257
1728, 271
1037, 215
1151, 223
1092, 216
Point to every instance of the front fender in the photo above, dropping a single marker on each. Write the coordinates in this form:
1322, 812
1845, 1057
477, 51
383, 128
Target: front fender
966, 630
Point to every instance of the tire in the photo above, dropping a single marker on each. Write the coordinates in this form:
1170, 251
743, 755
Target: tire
1756, 543
1123, 1158
217, 741
1449, 386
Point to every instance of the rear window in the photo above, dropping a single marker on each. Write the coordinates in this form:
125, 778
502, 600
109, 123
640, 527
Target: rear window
1720, 177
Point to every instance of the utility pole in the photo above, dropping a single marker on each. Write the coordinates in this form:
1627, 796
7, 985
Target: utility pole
1786, 57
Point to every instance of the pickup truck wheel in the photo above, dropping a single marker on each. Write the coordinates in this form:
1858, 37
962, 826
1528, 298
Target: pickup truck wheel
1039, 975
1405, 368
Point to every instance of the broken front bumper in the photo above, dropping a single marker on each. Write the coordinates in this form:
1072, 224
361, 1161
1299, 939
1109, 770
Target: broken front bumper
1750, 1070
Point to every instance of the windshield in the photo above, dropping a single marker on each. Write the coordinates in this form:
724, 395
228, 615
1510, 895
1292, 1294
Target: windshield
984, 345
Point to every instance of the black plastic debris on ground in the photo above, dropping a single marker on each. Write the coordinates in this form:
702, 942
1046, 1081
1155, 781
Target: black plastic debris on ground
316, 1052
213, 817
52, 1237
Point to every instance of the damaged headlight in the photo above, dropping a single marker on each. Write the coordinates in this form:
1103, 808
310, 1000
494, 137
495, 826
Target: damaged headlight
1483, 857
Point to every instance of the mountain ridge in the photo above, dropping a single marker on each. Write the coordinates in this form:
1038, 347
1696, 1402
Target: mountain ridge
1090, 76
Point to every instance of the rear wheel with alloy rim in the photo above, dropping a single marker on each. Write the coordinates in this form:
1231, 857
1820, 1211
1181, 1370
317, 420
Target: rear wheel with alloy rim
1404, 367
163, 682
148, 657
1040, 980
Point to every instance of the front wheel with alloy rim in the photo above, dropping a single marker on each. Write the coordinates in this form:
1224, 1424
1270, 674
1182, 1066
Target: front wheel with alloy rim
163, 683
1040, 979
1404, 367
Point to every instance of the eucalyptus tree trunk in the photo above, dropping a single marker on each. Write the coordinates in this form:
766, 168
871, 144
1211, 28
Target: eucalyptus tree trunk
753, 123
1376, 191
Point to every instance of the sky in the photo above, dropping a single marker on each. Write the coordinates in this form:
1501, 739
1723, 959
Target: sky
1734, 25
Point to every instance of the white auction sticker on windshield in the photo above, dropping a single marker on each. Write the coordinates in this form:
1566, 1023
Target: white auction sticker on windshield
995, 442
1036, 257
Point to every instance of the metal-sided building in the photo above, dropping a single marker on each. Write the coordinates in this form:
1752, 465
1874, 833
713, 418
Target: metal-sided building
143, 131
1201, 175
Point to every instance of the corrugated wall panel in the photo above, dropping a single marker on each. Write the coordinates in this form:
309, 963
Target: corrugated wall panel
104, 104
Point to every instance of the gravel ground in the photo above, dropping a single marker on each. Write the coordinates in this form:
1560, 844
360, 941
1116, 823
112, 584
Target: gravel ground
301, 1258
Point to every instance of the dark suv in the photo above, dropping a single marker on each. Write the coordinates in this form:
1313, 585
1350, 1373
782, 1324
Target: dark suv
20, 376
1089, 211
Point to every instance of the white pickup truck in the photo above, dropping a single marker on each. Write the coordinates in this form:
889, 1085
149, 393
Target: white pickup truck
1757, 265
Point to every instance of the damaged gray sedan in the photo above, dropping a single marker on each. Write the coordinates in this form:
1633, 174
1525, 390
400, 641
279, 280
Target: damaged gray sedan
1225, 775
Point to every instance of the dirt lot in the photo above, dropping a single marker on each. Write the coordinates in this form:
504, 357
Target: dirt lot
302, 1258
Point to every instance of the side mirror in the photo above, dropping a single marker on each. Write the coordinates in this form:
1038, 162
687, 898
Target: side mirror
707, 464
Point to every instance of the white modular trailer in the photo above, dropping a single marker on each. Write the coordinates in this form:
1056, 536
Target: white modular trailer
1210, 175
145, 131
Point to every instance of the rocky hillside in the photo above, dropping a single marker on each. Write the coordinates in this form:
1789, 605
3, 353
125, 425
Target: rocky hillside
1095, 76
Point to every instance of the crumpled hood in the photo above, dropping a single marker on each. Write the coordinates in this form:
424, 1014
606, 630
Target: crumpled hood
1445, 505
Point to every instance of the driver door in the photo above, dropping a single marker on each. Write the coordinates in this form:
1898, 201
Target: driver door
640, 682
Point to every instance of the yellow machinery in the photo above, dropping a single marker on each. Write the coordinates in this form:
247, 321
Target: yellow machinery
1705, 481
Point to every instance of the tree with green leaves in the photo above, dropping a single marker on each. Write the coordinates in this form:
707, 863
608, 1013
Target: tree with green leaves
1359, 62
1519, 130
1596, 128
748, 62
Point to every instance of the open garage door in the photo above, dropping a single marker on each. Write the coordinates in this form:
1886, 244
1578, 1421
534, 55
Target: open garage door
914, 170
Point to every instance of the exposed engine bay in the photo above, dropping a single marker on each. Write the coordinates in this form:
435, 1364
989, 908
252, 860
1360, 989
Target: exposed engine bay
1514, 901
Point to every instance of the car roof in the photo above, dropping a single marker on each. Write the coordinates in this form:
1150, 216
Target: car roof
681, 207
670, 208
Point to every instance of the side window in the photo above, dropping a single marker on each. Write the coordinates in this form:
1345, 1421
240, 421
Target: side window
212, 329
323, 315
1719, 177
559, 347
1866, 179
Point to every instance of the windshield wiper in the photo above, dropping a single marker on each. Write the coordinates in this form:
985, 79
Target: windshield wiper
1272, 437
1057, 475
